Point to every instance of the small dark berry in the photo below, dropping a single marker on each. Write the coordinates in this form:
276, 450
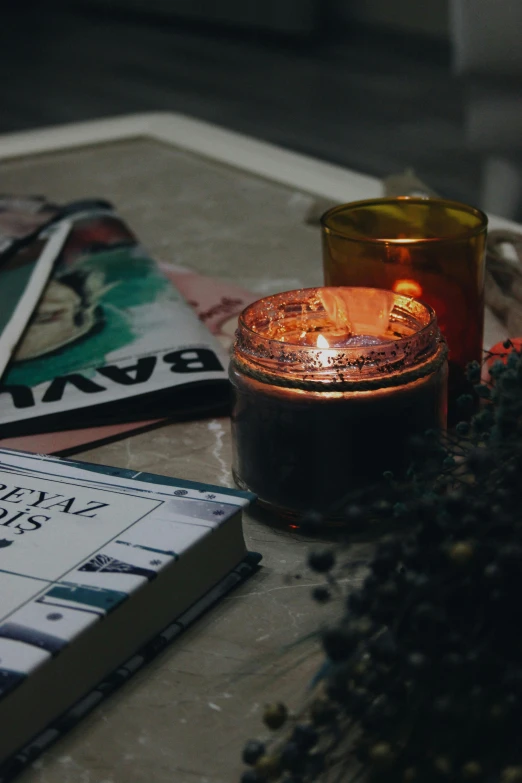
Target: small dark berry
492, 572
315, 765
337, 689
322, 711
339, 643
473, 371
419, 582
483, 391
383, 648
468, 525
321, 561
379, 714
417, 662
476, 697
427, 617
359, 602
381, 754
382, 508
291, 757
305, 736
355, 514
453, 662
361, 750
443, 708
411, 555
461, 552
275, 715
321, 594
252, 751
498, 713
400, 510
268, 766
513, 680
511, 775
510, 558
388, 592
471, 770
397, 691
462, 428
370, 583
383, 564
479, 460
251, 776
358, 701
442, 765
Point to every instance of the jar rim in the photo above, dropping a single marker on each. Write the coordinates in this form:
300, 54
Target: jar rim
466, 233
337, 364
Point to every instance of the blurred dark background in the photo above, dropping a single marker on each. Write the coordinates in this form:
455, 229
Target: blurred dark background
379, 86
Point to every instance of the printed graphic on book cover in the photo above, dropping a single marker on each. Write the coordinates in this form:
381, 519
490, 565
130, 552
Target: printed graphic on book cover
109, 327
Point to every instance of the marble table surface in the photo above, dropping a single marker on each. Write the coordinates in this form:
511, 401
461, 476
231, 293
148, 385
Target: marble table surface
239, 210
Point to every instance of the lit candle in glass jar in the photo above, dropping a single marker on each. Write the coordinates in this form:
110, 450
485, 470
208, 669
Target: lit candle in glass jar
329, 386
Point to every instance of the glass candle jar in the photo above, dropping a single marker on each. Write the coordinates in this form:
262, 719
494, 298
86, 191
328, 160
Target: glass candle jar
430, 249
329, 385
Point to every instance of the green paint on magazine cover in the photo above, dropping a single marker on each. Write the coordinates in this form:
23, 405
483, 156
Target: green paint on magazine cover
91, 312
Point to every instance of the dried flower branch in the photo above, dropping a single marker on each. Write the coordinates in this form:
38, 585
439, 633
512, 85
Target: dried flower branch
423, 673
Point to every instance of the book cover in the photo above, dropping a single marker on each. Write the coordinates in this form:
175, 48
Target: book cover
111, 337
94, 562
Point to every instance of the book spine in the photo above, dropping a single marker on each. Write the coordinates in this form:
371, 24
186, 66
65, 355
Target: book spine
30, 752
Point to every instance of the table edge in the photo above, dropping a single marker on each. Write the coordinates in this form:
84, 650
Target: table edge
267, 160
285, 167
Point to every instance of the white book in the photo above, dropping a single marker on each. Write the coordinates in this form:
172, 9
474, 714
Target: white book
95, 562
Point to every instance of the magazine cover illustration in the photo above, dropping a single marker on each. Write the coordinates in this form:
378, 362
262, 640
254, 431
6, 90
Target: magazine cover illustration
109, 327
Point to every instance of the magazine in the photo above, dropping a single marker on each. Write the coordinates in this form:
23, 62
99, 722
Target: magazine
111, 339
216, 302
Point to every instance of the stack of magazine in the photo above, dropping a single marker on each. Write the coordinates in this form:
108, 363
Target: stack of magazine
103, 567
96, 338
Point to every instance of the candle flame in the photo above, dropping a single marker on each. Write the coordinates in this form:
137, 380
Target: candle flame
408, 288
322, 342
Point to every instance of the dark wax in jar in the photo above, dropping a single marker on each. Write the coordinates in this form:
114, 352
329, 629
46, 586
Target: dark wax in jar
306, 446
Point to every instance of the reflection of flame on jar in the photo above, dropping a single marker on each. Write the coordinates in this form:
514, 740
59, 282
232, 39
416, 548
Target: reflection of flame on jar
322, 342
430, 295
408, 288
398, 254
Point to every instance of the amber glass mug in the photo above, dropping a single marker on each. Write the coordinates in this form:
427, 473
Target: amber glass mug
430, 249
